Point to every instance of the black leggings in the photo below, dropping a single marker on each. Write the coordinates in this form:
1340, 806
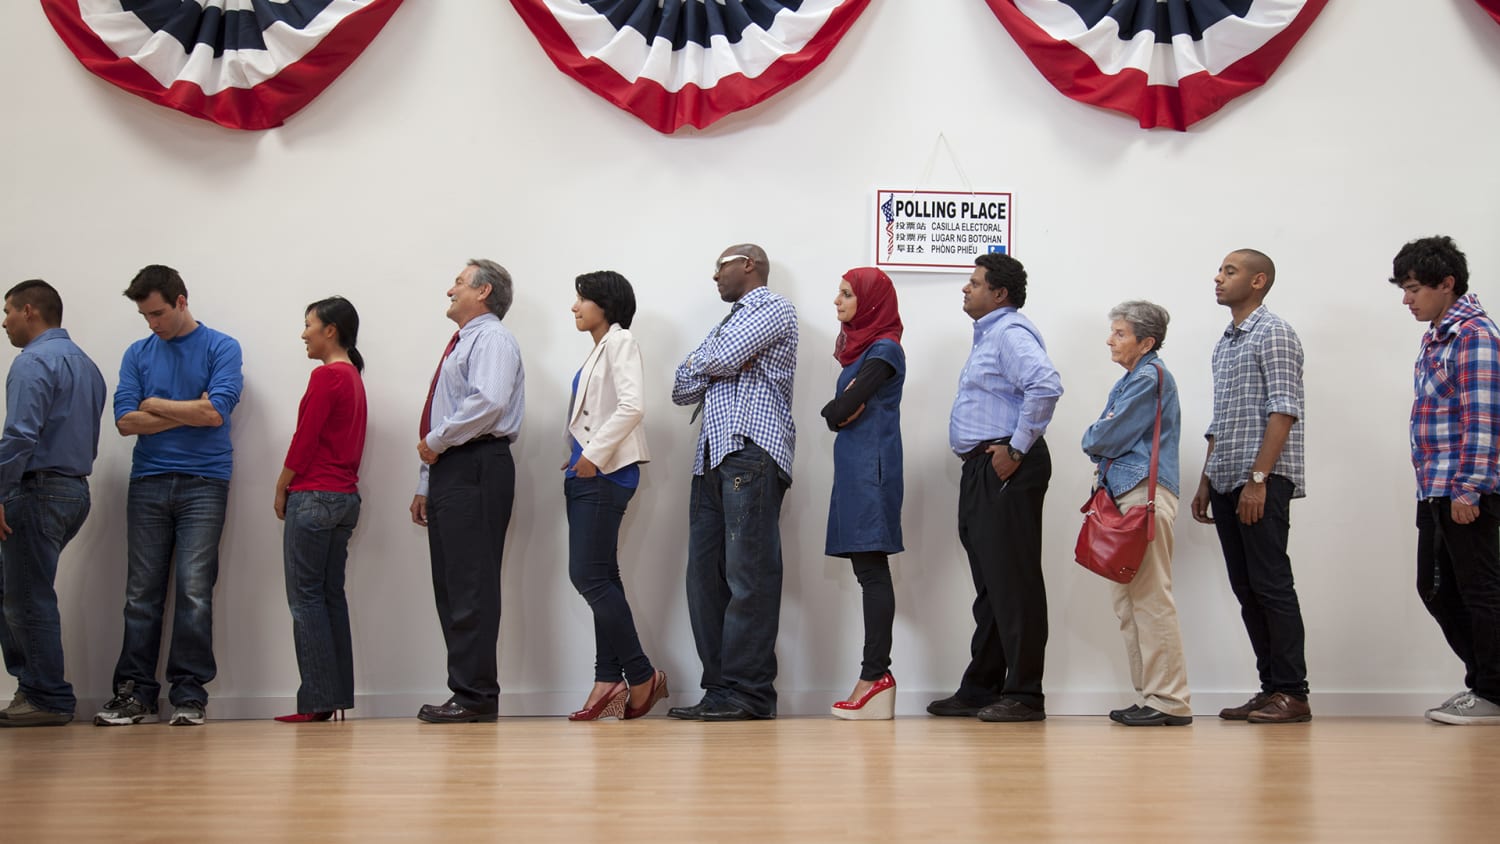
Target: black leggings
873, 569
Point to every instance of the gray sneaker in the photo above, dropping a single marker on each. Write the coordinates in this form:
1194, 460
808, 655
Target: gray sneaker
23, 713
1467, 709
18, 699
124, 708
1449, 702
188, 715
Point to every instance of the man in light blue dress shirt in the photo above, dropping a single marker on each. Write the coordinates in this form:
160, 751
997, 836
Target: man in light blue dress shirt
466, 485
54, 397
1006, 394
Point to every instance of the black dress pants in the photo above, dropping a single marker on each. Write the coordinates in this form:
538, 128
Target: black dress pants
1458, 577
1000, 526
470, 492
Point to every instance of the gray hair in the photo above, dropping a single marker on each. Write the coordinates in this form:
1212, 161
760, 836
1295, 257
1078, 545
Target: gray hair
1146, 319
498, 278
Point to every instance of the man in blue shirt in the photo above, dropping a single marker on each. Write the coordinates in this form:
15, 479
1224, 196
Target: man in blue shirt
54, 397
466, 485
177, 389
1006, 394
740, 376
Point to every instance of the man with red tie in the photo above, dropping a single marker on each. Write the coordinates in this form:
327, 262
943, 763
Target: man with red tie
467, 484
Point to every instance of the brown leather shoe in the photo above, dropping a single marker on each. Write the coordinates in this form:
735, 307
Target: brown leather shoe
1242, 712
1281, 708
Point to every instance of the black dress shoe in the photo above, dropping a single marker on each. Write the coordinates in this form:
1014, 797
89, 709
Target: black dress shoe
953, 707
1147, 716
453, 712
1115, 714
1010, 711
731, 712
689, 713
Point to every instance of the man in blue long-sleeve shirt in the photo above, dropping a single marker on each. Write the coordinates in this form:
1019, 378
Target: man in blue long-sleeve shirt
1006, 395
54, 397
177, 389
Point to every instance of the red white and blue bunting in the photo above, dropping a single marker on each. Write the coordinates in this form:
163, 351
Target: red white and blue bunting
677, 62
1166, 62
245, 64
1491, 6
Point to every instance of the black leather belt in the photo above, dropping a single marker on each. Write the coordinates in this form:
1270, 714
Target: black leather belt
982, 449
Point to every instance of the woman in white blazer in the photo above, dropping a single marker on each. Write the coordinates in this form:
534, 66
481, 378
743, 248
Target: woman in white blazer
608, 444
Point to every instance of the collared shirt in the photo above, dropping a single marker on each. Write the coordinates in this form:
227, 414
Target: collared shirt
481, 389
1457, 406
1257, 372
183, 369
1008, 387
54, 398
743, 371
1123, 434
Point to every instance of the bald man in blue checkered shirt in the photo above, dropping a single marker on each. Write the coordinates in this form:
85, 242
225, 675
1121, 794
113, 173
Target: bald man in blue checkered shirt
740, 378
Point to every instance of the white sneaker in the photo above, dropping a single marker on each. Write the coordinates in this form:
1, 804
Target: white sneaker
188, 715
1469, 709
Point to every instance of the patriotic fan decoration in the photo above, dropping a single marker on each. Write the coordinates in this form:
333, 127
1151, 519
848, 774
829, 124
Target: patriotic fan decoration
676, 62
1166, 62
244, 64
1493, 7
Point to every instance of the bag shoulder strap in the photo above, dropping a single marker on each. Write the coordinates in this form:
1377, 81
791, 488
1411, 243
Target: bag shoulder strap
1155, 457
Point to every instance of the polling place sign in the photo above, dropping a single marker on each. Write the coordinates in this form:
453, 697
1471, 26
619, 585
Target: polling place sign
937, 230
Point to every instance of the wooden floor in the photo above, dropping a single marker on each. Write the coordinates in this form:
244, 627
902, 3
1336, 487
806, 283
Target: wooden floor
796, 779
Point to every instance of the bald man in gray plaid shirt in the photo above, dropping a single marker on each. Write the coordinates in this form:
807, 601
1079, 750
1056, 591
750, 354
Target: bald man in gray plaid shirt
1254, 468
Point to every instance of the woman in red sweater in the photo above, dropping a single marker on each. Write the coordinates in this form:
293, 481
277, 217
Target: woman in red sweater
317, 496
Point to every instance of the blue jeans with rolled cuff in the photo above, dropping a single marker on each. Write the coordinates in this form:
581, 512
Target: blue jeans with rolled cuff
596, 507
315, 548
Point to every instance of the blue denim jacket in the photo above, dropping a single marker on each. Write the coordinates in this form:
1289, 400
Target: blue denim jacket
1123, 431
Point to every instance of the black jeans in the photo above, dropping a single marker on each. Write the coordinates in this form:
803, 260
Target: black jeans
471, 490
873, 571
1458, 577
1260, 573
1000, 526
595, 509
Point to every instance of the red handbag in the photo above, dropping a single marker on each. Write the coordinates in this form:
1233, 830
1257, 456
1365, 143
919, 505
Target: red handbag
1112, 544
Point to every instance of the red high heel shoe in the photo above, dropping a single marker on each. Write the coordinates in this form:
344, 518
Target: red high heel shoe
611, 705
309, 717
657, 694
877, 704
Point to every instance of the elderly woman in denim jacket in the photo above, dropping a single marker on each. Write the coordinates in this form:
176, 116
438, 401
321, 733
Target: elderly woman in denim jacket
1119, 443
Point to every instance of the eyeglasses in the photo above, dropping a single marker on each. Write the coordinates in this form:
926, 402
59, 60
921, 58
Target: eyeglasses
727, 258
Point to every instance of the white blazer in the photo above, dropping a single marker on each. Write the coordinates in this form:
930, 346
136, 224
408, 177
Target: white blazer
608, 409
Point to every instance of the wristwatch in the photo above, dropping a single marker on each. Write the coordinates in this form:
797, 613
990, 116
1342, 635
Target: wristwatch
1014, 455
1258, 477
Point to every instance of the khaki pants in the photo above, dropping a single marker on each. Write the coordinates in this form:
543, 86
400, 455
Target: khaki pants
1148, 615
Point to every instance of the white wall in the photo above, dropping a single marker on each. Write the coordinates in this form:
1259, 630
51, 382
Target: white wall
454, 137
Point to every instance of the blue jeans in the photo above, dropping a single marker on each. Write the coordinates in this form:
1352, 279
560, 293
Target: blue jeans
315, 546
172, 526
595, 508
734, 577
45, 512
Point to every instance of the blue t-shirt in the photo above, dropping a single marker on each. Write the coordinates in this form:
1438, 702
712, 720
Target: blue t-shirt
626, 476
182, 369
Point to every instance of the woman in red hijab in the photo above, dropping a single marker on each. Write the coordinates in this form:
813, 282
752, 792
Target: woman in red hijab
864, 515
